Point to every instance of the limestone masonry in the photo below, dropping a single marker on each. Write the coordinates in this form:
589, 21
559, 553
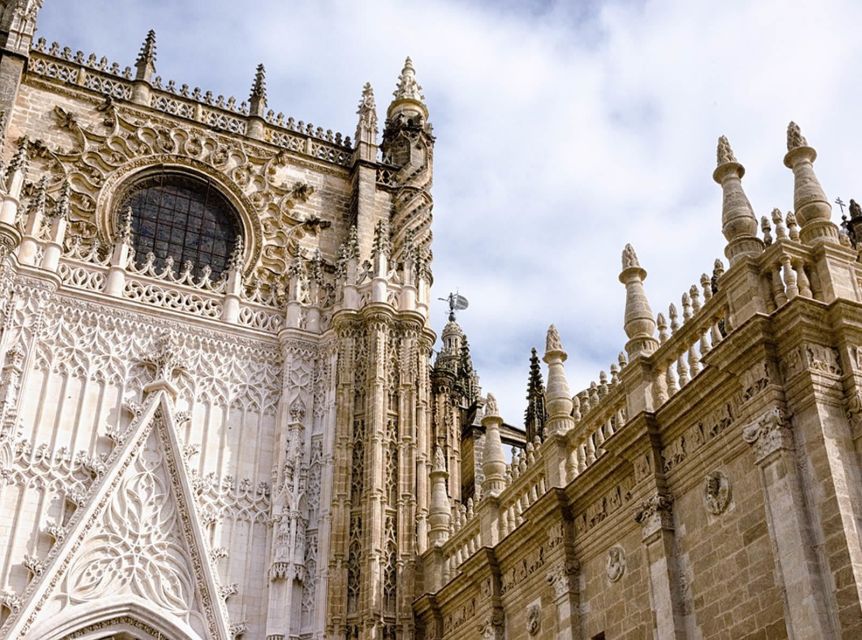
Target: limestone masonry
220, 417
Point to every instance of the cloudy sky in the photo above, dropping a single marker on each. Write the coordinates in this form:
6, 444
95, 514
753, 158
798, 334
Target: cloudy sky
564, 130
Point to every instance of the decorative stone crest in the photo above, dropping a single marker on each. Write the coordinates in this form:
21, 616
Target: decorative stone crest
616, 565
716, 492
770, 433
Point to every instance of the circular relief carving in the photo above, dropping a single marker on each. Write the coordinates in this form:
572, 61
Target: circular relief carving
716, 492
616, 563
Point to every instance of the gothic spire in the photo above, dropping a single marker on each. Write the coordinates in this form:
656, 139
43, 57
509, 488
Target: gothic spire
738, 223
408, 93
145, 64
257, 96
535, 414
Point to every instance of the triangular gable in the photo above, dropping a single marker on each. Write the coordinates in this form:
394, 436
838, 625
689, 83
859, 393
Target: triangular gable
138, 537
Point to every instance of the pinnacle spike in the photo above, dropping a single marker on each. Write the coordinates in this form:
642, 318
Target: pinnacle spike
724, 153
795, 139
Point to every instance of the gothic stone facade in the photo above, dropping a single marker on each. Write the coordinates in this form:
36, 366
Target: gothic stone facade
262, 448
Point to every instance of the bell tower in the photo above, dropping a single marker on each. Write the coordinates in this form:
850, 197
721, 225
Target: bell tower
381, 451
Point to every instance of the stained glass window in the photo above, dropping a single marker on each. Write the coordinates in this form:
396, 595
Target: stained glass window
183, 217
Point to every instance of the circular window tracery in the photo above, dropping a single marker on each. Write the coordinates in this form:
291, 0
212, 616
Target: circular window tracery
183, 217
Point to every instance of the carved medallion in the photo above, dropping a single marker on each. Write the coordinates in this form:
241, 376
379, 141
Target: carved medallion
616, 566
534, 618
716, 492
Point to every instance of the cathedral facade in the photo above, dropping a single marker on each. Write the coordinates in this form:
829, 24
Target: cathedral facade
221, 413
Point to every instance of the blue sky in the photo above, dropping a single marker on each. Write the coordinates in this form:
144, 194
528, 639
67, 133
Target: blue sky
564, 131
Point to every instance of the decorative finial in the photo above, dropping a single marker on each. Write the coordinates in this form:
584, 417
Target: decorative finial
491, 409
439, 459
367, 111
381, 244
408, 88
725, 153
795, 139
352, 245
145, 64
124, 228
257, 96
21, 157
552, 341
630, 258
855, 209
236, 257
41, 195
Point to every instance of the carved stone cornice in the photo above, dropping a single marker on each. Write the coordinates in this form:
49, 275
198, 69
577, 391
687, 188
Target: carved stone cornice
769, 434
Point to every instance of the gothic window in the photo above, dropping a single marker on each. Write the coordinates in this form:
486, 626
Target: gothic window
183, 217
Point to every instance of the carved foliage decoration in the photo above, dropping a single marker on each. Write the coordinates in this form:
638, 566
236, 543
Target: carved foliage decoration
102, 156
138, 548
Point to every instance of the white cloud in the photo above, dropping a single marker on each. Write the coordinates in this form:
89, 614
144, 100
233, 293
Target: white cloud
561, 135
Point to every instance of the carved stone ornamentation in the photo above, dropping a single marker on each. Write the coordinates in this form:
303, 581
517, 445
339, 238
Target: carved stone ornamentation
716, 492
616, 564
534, 618
561, 578
655, 513
769, 433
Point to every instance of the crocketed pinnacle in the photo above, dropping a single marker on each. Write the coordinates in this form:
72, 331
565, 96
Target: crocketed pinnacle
124, 228
37, 205
795, 139
148, 49
257, 96
145, 64
724, 153
381, 246
535, 414
408, 88
20, 159
61, 208
236, 257
630, 258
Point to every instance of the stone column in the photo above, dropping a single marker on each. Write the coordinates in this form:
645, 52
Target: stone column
804, 595
563, 579
655, 517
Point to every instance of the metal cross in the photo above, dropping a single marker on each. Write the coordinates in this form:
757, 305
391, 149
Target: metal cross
841, 204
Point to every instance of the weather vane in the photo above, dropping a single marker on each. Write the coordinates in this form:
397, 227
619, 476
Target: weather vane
457, 302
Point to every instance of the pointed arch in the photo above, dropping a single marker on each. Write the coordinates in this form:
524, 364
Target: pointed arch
111, 617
